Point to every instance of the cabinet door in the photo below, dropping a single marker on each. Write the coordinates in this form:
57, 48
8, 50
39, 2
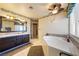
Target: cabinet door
0, 23
19, 40
25, 39
7, 43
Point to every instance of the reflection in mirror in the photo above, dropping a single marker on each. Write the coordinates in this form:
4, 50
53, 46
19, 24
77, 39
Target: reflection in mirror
12, 25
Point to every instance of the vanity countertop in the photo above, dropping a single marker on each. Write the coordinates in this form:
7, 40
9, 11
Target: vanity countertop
3, 35
62, 45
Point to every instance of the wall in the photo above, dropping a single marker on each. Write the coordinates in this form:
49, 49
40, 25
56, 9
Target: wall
56, 24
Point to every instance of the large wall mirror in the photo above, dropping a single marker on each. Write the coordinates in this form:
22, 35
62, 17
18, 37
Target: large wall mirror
12, 25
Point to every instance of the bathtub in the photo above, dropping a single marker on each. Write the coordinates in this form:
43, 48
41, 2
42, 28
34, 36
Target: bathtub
59, 44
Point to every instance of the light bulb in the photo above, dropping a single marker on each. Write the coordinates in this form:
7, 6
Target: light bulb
7, 17
11, 17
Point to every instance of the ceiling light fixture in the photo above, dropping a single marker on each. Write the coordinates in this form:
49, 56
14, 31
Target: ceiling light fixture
7, 17
11, 17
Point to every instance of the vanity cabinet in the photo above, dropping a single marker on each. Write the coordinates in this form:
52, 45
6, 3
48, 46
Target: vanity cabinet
6, 43
10, 42
0, 23
25, 38
19, 40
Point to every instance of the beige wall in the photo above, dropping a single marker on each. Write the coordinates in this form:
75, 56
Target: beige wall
54, 24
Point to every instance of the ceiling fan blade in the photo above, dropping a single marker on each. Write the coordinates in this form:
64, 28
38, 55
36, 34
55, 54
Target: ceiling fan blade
61, 9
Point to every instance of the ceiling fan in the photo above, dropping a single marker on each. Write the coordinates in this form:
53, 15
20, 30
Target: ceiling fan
54, 9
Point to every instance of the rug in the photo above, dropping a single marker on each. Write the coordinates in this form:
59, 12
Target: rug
36, 51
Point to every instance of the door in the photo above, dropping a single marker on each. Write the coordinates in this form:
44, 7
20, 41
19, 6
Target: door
35, 30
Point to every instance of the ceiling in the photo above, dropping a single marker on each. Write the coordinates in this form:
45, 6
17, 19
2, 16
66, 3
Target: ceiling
38, 9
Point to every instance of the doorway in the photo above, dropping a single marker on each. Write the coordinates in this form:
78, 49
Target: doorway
34, 29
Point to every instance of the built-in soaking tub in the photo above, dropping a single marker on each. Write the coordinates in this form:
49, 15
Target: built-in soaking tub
56, 45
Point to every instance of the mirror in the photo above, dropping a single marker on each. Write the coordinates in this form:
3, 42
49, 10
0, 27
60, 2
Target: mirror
12, 25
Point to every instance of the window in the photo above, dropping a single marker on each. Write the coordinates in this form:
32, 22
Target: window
72, 24
74, 21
